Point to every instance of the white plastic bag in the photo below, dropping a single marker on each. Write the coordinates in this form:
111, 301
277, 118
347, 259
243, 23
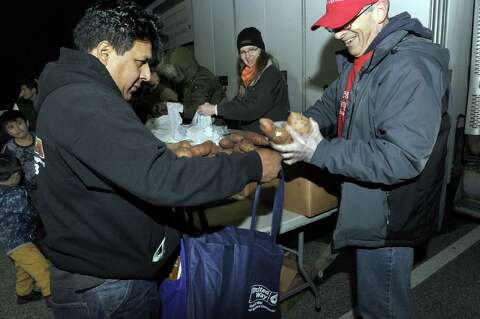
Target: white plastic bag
177, 131
169, 128
203, 129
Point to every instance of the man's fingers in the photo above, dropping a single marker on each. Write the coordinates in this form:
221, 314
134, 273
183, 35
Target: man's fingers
292, 161
287, 156
281, 147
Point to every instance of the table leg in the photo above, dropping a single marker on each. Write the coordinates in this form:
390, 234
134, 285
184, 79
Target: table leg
301, 268
302, 271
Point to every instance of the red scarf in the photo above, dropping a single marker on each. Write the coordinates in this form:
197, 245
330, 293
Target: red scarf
248, 73
357, 65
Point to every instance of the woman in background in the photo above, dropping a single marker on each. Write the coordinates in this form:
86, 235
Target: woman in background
262, 90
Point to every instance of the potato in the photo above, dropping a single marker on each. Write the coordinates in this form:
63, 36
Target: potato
185, 144
215, 149
183, 152
173, 146
236, 148
246, 146
281, 136
236, 138
267, 126
226, 143
255, 138
300, 123
226, 151
202, 149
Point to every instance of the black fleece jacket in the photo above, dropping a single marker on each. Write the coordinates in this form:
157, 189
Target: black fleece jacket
267, 97
105, 181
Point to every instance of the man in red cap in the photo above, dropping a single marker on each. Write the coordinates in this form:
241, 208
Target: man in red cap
382, 127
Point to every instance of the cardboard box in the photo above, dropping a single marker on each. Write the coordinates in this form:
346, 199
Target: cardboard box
309, 190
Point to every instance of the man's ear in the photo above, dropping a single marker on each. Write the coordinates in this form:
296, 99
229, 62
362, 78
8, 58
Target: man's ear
380, 13
103, 51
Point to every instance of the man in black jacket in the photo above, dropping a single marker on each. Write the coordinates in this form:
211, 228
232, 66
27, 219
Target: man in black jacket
103, 177
26, 101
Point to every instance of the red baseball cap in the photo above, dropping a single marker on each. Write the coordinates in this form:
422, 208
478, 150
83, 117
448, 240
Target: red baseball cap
340, 12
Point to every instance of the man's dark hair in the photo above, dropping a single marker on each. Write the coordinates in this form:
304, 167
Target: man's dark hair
120, 22
10, 116
9, 164
29, 83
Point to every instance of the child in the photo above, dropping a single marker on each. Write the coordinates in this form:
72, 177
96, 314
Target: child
26, 101
17, 228
21, 144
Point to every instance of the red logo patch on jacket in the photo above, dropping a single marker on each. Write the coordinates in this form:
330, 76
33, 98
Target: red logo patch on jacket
39, 148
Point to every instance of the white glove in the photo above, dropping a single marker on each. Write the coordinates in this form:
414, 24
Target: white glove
207, 109
303, 146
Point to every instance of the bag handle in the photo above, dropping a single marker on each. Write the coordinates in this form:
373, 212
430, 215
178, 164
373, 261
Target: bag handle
277, 210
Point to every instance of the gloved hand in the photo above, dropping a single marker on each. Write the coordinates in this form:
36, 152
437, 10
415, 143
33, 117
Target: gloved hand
302, 147
207, 109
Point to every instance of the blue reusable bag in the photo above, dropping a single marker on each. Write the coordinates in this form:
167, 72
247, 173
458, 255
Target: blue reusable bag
173, 293
235, 273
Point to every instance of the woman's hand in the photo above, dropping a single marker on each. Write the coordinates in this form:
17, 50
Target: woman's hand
207, 109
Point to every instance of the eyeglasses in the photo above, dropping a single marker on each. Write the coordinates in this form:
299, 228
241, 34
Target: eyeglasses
349, 23
250, 51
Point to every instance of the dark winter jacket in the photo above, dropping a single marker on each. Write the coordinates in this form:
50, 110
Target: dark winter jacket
105, 181
265, 97
199, 85
28, 110
393, 146
18, 219
25, 156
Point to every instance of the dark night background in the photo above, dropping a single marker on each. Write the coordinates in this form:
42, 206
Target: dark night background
32, 34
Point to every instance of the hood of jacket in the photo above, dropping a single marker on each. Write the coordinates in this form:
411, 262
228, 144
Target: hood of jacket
73, 67
179, 65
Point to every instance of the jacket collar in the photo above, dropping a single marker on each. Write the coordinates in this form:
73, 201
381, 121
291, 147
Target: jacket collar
91, 64
259, 75
384, 48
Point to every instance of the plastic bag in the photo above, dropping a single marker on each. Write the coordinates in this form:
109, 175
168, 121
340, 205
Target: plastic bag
203, 129
169, 128
177, 131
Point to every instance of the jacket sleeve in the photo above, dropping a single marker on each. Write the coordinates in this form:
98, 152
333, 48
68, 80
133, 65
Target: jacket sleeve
406, 120
111, 147
202, 89
325, 110
258, 100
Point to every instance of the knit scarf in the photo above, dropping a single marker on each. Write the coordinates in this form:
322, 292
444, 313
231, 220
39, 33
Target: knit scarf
248, 74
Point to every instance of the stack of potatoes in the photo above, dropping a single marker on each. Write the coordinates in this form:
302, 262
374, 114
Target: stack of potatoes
236, 141
245, 141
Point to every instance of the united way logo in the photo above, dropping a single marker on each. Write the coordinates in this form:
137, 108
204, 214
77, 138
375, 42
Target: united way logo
262, 298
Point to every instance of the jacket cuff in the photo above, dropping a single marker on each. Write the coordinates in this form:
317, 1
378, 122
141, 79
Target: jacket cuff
254, 165
319, 156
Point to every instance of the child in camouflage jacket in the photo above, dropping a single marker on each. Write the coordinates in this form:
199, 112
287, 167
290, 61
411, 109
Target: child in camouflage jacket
17, 231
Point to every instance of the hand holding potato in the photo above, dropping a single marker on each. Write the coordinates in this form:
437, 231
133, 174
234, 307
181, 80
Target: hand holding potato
302, 147
299, 122
271, 164
279, 134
